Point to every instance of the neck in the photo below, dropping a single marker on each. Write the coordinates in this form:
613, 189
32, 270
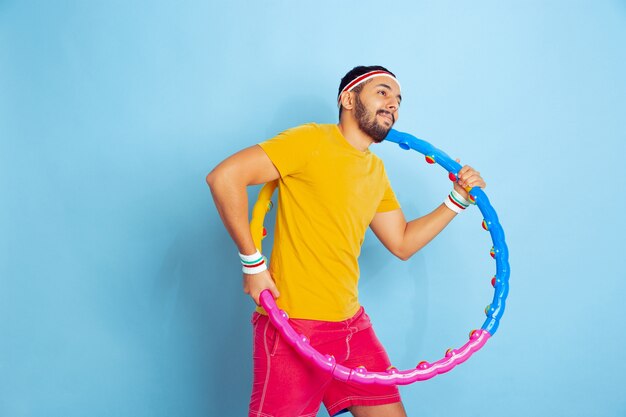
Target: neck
355, 136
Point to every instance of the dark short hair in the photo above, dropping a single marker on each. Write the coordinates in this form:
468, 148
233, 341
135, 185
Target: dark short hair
355, 73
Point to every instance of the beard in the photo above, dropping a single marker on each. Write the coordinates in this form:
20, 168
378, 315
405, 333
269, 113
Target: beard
367, 121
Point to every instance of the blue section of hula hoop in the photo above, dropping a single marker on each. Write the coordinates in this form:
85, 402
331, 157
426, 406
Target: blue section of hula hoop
501, 253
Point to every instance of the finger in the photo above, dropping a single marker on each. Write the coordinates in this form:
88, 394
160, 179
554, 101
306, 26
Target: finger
476, 181
465, 171
256, 298
274, 291
472, 174
463, 180
481, 184
469, 175
461, 190
464, 175
462, 170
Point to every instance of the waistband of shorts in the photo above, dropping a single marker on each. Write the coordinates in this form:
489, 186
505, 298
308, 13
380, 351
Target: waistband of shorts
360, 321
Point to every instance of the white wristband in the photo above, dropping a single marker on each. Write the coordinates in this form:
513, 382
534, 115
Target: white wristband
460, 198
253, 264
456, 202
250, 258
255, 270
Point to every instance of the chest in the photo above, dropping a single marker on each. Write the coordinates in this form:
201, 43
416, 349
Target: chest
341, 181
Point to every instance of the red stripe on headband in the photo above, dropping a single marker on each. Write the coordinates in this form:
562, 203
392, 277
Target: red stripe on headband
359, 79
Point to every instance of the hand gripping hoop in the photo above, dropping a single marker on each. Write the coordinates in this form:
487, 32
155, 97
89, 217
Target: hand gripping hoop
423, 370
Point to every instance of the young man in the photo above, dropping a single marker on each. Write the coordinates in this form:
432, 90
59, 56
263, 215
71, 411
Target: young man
331, 188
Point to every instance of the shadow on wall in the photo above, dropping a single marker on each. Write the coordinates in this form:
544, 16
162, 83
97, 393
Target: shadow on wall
202, 337
203, 343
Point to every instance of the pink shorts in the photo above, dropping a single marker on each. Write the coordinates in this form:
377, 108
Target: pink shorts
285, 385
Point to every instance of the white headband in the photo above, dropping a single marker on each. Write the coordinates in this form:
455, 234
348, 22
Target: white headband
362, 78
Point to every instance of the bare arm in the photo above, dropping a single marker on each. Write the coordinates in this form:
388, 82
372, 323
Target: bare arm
404, 239
228, 182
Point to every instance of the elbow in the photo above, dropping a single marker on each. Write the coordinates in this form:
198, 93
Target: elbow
210, 178
221, 179
402, 254
405, 254
213, 178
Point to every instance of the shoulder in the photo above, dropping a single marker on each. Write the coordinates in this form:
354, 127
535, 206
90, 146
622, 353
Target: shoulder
378, 167
309, 135
306, 130
306, 133
294, 144
377, 161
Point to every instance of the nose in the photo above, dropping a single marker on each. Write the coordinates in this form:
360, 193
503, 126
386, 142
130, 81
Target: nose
393, 104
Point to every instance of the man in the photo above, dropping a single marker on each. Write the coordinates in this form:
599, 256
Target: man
331, 188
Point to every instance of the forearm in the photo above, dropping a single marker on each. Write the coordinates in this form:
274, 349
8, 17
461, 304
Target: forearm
419, 232
231, 200
229, 181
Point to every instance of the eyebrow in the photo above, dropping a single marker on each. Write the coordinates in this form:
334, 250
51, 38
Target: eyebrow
389, 88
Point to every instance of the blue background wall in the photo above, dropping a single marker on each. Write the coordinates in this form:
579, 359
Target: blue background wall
113, 261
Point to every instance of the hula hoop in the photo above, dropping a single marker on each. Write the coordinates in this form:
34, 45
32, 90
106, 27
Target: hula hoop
424, 370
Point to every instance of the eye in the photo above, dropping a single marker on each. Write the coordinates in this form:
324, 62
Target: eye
382, 92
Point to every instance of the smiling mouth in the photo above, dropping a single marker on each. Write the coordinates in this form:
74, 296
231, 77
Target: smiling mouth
387, 116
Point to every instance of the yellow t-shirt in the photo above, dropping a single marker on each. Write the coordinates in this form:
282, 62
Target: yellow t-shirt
328, 194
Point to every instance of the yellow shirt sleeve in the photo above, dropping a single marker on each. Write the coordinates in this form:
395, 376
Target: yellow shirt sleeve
389, 201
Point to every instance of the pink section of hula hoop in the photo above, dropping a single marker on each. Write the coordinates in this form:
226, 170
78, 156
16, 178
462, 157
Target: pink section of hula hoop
393, 376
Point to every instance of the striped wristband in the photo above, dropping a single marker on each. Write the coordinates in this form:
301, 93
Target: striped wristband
253, 264
456, 202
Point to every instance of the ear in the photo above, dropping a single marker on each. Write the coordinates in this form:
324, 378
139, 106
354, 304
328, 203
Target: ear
347, 100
